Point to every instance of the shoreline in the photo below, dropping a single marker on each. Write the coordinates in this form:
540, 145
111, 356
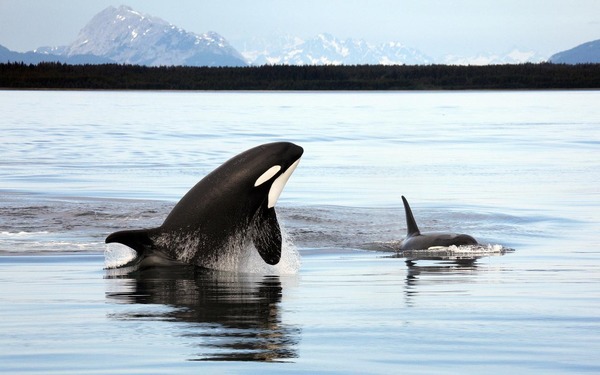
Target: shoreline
529, 76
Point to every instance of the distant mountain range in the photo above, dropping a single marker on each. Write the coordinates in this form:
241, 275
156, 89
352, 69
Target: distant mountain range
122, 35
326, 49
512, 57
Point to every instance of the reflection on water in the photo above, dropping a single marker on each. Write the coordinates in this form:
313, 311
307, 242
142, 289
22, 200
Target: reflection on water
443, 274
230, 317
424, 273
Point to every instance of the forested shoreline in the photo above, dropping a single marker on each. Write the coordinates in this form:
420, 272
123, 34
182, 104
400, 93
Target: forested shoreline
289, 77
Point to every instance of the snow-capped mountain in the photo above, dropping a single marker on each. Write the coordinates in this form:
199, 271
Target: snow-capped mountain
584, 53
58, 51
513, 57
129, 37
325, 49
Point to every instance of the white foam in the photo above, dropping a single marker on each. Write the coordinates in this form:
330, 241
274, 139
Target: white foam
457, 252
23, 234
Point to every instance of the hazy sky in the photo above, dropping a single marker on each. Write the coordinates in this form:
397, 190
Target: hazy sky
436, 27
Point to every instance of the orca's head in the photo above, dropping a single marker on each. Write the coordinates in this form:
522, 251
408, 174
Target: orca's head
256, 179
266, 169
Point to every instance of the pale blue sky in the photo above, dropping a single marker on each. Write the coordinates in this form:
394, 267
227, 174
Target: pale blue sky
436, 27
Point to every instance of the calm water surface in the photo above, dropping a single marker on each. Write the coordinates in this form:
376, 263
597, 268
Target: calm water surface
518, 169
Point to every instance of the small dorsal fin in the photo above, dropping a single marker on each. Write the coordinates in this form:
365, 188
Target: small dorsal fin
411, 225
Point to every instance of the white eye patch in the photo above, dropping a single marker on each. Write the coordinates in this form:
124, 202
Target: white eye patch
269, 173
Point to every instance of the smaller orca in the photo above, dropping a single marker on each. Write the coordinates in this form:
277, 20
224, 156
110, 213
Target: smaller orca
415, 240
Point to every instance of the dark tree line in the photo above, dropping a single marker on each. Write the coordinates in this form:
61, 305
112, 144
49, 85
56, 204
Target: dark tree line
288, 77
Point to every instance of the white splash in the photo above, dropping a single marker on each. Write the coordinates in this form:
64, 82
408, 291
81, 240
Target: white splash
457, 252
244, 258
240, 256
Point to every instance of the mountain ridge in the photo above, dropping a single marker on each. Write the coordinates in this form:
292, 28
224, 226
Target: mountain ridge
326, 49
125, 36
35, 57
585, 53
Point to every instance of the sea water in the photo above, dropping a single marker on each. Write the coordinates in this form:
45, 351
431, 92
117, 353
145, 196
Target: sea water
516, 169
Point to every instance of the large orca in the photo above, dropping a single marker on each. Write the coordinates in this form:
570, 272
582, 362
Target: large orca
415, 240
229, 208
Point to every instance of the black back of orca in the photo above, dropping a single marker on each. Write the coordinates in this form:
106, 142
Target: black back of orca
233, 204
414, 240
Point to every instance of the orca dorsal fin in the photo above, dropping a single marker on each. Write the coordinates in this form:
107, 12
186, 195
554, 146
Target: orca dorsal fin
267, 235
139, 240
411, 225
